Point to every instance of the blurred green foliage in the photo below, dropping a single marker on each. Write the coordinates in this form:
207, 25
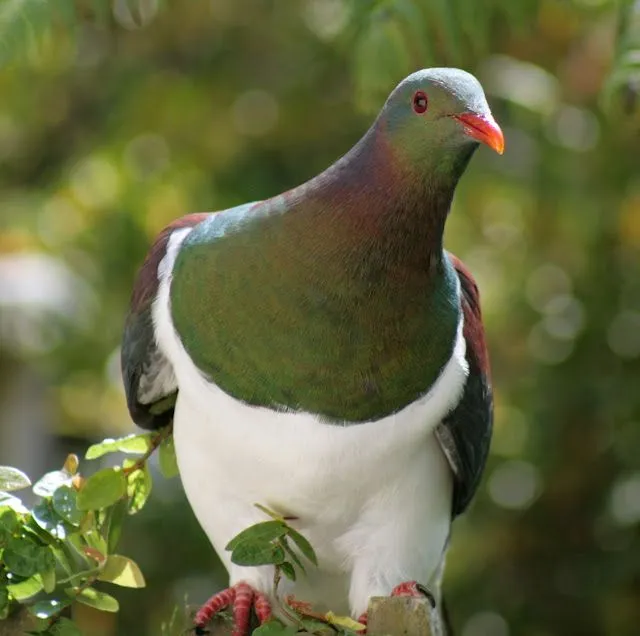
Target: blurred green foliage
112, 123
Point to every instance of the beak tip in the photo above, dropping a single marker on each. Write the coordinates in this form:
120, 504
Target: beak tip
483, 129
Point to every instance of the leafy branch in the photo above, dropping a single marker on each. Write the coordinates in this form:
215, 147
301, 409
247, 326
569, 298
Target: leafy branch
52, 555
277, 543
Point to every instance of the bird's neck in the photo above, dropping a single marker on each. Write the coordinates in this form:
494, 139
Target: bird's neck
393, 205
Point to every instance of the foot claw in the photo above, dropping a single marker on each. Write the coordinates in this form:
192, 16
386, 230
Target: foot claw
241, 597
415, 589
363, 620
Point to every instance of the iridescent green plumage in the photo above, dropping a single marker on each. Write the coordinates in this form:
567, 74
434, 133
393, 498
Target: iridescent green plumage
337, 297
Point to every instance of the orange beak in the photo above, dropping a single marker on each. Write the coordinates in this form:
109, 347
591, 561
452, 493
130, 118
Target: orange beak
484, 129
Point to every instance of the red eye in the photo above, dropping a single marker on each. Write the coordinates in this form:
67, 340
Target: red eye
420, 102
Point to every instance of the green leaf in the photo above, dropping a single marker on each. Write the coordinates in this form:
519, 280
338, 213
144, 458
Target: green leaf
139, 484
41, 627
288, 570
47, 608
64, 627
25, 589
13, 479
167, 458
48, 483
259, 533
49, 579
122, 571
252, 554
4, 599
294, 557
63, 556
275, 628
117, 514
8, 524
135, 444
100, 600
33, 528
9, 501
317, 627
303, 544
64, 502
49, 520
24, 557
102, 489
96, 541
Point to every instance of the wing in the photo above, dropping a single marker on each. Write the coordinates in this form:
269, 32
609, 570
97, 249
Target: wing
149, 382
465, 433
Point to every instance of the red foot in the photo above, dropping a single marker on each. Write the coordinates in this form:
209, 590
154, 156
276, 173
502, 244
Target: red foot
412, 588
363, 620
242, 597
408, 588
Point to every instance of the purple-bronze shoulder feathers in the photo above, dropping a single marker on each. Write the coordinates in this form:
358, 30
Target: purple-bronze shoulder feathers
148, 378
465, 434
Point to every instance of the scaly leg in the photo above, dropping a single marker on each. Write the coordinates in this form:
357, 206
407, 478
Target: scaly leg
241, 597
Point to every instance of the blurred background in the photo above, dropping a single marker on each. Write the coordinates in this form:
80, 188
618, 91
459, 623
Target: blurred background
117, 117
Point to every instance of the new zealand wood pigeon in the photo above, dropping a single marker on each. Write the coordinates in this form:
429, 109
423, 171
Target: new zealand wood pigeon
320, 353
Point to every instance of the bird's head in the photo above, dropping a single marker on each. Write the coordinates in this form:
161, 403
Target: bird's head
438, 114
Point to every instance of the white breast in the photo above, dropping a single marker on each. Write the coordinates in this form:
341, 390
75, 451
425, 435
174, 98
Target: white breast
374, 498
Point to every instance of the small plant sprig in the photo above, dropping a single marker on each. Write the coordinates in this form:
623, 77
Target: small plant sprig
52, 555
276, 543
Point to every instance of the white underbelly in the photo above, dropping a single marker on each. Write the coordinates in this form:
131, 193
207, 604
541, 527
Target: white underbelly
374, 499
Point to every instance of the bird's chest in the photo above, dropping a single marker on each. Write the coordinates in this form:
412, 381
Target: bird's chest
353, 350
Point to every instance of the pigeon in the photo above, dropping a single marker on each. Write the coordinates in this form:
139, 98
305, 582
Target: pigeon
320, 353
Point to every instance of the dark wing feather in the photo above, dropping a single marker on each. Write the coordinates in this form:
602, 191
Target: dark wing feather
149, 382
465, 433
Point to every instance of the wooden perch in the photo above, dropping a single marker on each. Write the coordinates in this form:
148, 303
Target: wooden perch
402, 616
387, 616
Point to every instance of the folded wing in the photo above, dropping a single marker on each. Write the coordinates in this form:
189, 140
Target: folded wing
149, 381
465, 433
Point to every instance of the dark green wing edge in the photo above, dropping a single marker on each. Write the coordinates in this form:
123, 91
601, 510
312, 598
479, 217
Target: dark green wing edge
149, 382
465, 433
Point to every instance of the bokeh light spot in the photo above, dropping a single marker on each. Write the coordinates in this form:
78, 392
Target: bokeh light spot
546, 282
623, 334
326, 18
546, 347
486, 624
146, 155
511, 431
514, 484
575, 128
255, 113
564, 317
95, 182
624, 503
134, 14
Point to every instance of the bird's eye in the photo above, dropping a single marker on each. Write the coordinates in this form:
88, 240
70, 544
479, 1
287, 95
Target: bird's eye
420, 102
